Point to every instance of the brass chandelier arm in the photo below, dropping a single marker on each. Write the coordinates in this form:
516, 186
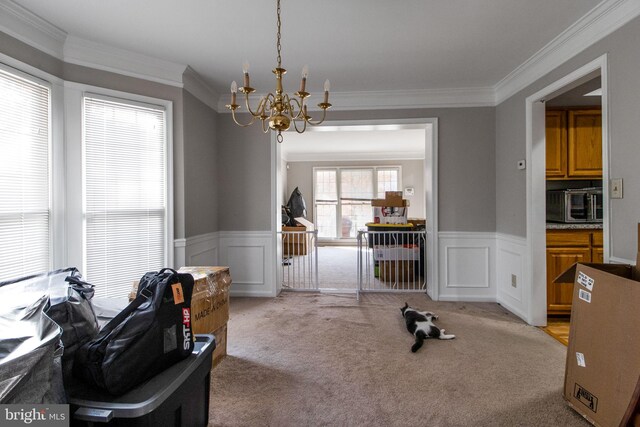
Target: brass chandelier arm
304, 125
261, 105
324, 115
244, 125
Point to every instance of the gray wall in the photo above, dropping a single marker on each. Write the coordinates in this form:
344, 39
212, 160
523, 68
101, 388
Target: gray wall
624, 103
244, 177
200, 167
466, 168
300, 174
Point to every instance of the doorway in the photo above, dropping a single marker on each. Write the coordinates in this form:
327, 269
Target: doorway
341, 245
536, 113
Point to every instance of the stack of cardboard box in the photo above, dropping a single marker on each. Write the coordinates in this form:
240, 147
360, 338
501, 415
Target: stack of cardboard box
390, 210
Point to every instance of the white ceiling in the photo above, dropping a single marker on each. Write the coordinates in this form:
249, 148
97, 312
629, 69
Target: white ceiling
360, 45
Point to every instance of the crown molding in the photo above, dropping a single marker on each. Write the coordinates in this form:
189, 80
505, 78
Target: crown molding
400, 99
601, 21
108, 58
194, 84
29, 28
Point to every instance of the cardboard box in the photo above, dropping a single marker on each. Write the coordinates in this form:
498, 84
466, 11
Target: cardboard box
405, 271
394, 204
210, 305
603, 367
396, 252
389, 215
221, 346
294, 244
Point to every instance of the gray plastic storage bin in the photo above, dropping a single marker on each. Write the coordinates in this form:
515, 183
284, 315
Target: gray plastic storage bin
178, 396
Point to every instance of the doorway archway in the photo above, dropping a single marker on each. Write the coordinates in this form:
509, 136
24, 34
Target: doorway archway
535, 155
430, 128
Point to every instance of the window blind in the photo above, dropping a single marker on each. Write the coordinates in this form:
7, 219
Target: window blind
125, 190
24, 177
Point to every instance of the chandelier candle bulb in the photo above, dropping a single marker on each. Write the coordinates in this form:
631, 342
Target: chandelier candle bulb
303, 82
245, 71
234, 89
327, 86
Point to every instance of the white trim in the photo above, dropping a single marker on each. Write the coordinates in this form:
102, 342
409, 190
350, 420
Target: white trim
430, 127
386, 155
249, 256
616, 260
601, 21
472, 256
511, 260
195, 85
108, 58
199, 250
29, 28
535, 186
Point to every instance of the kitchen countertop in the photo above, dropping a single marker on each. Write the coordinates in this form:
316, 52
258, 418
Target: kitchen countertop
560, 226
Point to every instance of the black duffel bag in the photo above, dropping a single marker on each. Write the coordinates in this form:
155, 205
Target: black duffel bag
152, 333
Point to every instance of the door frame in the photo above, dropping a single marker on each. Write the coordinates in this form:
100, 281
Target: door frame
536, 206
430, 127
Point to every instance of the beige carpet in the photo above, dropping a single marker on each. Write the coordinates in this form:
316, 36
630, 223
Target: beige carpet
311, 359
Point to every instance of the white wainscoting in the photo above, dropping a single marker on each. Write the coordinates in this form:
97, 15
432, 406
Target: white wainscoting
201, 250
511, 265
467, 266
249, 256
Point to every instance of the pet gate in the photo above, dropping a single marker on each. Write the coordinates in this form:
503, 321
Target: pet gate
391, 261
299, 260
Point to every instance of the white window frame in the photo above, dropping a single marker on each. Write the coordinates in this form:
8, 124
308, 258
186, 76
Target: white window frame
338, 170
65, 174
17, 68
74, 95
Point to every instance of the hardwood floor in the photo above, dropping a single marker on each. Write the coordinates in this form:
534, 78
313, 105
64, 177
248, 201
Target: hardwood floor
558, 327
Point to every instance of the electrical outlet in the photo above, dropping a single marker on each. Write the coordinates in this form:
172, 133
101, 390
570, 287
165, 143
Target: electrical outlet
514, 280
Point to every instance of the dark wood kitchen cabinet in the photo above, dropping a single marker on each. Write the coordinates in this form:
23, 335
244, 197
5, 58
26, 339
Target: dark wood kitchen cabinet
564, 248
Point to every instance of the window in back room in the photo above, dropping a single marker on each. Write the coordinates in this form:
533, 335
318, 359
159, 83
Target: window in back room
25, 178
342, 197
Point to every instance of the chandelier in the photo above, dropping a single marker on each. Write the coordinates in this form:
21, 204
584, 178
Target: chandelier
278, 111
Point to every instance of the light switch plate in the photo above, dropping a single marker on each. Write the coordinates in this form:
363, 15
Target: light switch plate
616, 188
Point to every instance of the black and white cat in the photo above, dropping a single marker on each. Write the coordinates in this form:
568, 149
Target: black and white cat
420, 324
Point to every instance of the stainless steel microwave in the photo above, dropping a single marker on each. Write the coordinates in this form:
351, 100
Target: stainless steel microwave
575, 206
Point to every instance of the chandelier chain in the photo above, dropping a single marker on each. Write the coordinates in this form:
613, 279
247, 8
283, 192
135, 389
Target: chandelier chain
278, 37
